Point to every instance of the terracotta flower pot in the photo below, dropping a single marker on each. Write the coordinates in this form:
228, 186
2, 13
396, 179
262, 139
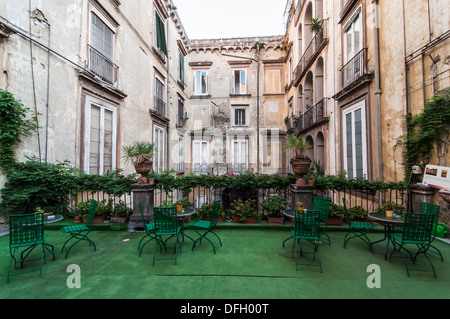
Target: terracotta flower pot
275, 220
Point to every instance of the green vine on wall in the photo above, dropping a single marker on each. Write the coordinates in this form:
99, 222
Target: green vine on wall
426, 130
13, 125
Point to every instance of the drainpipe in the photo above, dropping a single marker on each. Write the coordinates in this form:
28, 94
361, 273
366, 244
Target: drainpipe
377, 92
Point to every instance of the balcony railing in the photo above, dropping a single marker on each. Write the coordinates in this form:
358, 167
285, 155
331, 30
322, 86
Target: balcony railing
200, 169
102, 66
354, 69
311, 52
159, 105
312, 116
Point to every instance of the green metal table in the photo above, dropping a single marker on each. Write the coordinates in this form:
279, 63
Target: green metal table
389, 227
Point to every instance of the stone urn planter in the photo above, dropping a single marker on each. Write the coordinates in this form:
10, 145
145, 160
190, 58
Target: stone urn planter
141, 155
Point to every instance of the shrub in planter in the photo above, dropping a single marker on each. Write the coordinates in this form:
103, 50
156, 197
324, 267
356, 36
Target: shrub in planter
244, 211
273, 207
336, 214
121, 213
357, 213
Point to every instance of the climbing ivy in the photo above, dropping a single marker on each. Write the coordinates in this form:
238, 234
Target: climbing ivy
426, 130
13, 125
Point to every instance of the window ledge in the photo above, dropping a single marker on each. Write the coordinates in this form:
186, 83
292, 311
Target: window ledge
240, 95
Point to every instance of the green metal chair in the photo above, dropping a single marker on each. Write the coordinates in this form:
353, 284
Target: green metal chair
306, 227
322, 205
166, 225
80, 232
417, 230
357, 229
149, 231
203, 227
426, 208
26, 230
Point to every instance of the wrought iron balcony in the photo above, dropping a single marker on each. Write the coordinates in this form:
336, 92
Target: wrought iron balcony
102, 66
159, 106
354, 69
312, 51
312, 115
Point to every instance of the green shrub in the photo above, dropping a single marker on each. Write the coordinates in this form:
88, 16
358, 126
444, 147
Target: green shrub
274, 206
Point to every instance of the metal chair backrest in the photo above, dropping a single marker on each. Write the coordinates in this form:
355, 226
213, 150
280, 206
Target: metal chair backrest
418, 227
26, 229
347, 218
166, 219
307, 223
322, 205
214, 214
91, 213
426, 208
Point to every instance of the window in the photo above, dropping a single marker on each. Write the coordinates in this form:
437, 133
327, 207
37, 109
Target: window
159, 104
240, 156
200, 82
100, 137
160, 34
239, 81
158, 140
101, 54
200, 157
239, 116
180, 164
273, 80
181, 68
354, 138
353, 36
180, 118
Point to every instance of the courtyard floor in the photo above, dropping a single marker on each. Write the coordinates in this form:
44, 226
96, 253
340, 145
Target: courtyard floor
251, 264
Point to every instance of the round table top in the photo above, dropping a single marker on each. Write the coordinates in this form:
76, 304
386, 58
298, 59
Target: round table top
382, 216
291, 212
186, 212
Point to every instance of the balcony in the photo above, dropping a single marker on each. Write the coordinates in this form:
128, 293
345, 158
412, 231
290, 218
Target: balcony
315, 115
312, 51
159, 106
102, 67
353, 73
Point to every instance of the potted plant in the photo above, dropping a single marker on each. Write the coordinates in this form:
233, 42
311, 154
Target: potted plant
316, 25
357, 213
300, 206
183, 202
82, 209
300, 162
121, 213
103, 211
273, 207
244, 211
390, 208
141, 155
336, 214
310, 177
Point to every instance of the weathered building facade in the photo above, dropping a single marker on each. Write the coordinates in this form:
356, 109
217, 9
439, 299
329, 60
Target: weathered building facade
99, 74
102, 74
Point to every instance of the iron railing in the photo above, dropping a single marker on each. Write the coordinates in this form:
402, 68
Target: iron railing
354, 69
159, 105
311, 51
102, 66
313, 115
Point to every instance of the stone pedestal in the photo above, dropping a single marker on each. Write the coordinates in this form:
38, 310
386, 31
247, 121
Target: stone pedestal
143, 193
302, 193
420, 193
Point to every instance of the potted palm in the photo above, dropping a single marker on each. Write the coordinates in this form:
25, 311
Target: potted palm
141, 155
300, 162
273, 207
